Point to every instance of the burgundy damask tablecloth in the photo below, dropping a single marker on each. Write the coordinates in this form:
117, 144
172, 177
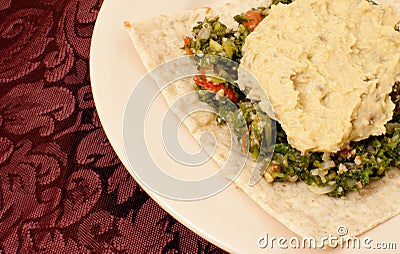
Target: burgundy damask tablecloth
62, 187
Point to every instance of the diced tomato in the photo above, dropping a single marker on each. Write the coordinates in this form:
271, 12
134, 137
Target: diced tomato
202, 81
254, 19
187, 41
230, 94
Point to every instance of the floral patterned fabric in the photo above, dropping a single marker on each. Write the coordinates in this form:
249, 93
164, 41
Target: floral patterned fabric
62, 187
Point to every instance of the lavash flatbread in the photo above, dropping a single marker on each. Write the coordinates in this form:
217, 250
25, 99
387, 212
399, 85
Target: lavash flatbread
309, 215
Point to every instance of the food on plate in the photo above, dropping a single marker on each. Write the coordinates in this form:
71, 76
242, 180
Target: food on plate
331, 79
337, 167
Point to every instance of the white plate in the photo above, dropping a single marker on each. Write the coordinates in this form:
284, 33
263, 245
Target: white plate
230, 219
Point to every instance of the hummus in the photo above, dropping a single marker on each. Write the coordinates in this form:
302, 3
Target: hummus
327, 67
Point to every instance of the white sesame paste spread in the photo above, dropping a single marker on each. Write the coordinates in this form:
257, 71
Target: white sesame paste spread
328, 67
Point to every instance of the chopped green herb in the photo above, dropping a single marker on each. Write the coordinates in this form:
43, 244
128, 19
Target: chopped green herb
282, 1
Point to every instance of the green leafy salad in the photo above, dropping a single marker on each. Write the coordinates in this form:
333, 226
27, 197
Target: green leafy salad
335, 174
